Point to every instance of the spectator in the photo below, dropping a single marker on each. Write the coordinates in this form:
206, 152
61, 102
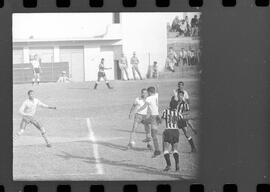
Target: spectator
175, 24
155, 70
184, 56
63, 78
171, 60
194, 26
134, 61
123, 65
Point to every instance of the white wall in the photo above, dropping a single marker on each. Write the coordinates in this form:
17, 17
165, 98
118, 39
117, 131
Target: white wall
59, 25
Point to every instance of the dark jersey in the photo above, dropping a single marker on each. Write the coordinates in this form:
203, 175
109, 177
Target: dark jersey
170, 117
101, 68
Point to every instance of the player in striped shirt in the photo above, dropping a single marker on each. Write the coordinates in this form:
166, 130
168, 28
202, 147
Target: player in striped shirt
183, 112
28, 110
186, 98
101, 74
170, 136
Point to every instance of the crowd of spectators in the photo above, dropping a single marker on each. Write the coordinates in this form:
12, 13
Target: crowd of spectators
185, 27
184, 57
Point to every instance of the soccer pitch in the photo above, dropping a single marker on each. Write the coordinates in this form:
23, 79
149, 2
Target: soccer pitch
90, 130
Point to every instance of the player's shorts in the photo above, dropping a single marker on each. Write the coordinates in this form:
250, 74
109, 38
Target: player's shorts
153, 120
171, 136
181, 123
101, 74
31, 120
139, 118
36, 70
122, 66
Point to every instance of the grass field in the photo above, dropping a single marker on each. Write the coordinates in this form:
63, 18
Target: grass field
90, 130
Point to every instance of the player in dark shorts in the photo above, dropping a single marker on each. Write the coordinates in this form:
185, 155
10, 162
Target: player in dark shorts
171, 136
183, 112
101, 74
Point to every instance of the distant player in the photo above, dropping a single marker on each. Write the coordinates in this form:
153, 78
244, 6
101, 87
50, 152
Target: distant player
152, 103
140, 118
28, 110
183, 112
171, 135
186, 98
101, 74
36, 69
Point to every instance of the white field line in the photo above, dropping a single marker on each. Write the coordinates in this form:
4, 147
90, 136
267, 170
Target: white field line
95, 147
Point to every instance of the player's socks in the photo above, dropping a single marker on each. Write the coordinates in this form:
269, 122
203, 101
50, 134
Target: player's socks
193, 148
167, 159
108, 85
45, 139
176, 159
95, 87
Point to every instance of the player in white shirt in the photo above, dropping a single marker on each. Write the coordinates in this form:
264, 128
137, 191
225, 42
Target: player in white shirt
36, 69
140, 118
152, 103
28, 110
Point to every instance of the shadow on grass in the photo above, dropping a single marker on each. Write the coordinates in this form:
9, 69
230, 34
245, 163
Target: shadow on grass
132, 167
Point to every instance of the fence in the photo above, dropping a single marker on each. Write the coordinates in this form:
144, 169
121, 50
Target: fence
50, 72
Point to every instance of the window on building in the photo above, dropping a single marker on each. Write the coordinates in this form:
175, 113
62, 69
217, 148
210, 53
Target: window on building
17, 55
44, 53
116, 17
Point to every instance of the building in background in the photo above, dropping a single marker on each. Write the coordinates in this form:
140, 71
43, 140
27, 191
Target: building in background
75, 42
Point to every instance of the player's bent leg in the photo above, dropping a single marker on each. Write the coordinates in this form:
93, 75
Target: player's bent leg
154, 131
148, 136
107, 82
189, 124
131, 142
167, 156
38, 78
139, 73
133, 72
43, 132
190, 140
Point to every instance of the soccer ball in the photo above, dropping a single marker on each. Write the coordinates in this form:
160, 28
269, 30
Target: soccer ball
132, 143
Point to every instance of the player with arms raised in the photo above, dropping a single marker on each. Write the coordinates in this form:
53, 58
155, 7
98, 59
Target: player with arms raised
28, 110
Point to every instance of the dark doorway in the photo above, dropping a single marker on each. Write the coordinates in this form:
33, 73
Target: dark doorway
117, 70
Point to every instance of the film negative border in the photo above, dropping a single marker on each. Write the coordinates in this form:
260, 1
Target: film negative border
132, 3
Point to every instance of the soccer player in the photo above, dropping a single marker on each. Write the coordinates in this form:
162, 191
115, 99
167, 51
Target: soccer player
101, 74
134, 61
171, 135
36, 69
123, 65
28, 110
183, 112
152, 103
186, 98
63, 78
140, 118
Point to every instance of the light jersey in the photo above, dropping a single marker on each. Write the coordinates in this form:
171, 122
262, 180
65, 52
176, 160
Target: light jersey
29, 107
35, 64
134, 60
153, 104
139, 102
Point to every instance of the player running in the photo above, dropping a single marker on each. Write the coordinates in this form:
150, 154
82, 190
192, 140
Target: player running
28, 110
171, 135
152, 103
101, 74
140, 118
183, 111
36, 69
